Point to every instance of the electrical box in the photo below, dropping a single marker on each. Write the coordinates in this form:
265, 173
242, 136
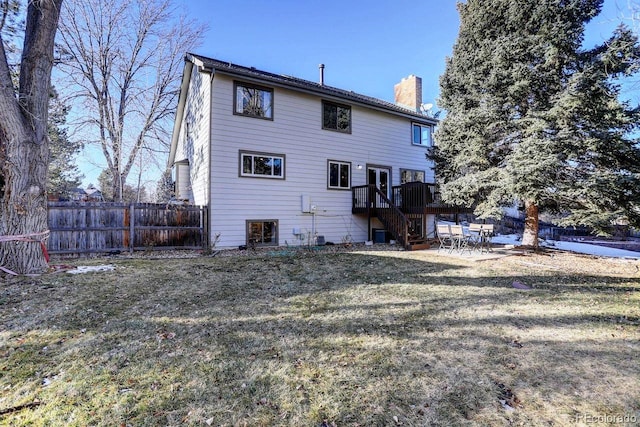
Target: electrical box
296, 231
306, 203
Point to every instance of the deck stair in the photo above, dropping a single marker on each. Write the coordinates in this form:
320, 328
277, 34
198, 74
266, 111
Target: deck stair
395, 222
404, 214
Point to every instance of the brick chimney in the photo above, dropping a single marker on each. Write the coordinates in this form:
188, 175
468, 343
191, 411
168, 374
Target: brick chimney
408, 93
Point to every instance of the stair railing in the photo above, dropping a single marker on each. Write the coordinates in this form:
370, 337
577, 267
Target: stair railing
391, 216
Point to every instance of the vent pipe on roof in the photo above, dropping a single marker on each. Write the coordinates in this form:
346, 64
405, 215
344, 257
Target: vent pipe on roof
321, 67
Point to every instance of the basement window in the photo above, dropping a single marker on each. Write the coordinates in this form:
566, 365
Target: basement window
262, 232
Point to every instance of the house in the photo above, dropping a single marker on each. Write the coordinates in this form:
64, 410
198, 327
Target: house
280, 160
74, 194
93, 194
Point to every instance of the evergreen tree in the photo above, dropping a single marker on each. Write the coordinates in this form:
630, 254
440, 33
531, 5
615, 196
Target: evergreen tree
129, 194
531, 117
164, 188
104, 183
64, 174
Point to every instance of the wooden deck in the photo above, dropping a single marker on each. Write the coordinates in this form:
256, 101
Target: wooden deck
404, 211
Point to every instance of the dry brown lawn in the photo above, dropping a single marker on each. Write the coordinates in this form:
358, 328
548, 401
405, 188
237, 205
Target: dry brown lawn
316, 338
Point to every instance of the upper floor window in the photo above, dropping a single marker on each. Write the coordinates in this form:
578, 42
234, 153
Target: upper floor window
421, 135
253, 101
339, 175
261, 165
410, 175
336, 117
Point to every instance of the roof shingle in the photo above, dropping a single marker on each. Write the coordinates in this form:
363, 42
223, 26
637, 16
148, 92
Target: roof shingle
305, 85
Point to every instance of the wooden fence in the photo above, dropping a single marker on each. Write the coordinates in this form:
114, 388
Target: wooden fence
83, 228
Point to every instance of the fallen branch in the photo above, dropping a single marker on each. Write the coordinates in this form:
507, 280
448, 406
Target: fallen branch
19, 408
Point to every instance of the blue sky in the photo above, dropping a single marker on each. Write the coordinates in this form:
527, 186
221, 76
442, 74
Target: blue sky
366, 46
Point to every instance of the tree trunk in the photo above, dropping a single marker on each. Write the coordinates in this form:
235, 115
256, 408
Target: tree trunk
24, 143
24, 210
116, 189
531, 225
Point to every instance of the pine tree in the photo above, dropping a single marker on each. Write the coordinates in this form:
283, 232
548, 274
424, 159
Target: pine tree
164, 188
64, 174
531, 117
129, 194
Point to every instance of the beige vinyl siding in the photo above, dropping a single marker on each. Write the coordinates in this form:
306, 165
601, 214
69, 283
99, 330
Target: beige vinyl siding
296, 132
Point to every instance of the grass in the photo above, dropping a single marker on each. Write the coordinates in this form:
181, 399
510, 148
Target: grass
375, 338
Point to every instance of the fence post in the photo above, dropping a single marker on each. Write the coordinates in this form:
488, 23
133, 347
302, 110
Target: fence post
87, 224
132, 233
205, 227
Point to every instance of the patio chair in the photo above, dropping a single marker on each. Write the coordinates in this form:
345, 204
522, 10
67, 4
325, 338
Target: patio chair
460, 238
475, 236
486, 234
481, 236
444, 236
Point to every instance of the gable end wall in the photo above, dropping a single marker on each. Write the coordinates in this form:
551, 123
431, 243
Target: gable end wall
194, 136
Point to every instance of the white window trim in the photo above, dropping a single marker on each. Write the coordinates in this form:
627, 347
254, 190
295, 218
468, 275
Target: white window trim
339, 163
422, 144
253, 154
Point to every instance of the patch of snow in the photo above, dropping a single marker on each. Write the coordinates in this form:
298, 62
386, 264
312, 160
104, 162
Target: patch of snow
506, 406
91, 268
582, 248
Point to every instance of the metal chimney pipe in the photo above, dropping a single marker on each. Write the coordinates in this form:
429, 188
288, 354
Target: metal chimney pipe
321, 67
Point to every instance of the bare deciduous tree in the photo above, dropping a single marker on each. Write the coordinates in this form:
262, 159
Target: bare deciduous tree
630, 16
633, 15
24, 144
122, 60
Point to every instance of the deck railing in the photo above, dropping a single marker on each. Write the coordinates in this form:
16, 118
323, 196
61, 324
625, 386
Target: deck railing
368, 198
415, 197
410, 198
